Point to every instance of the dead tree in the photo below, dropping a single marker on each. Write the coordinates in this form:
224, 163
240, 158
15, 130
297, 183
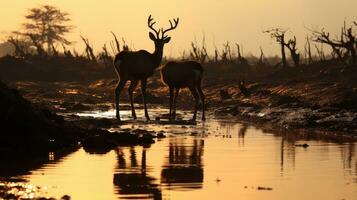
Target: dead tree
308, 54
199, 53
105, 57
239, 55
125, 46
320, 52
194, 52
89, 50
291, 45
351, 44
241, 60
117, 44
343, 47
279, 35
216, 54
238, 52
226, 55
227, 48
261, 58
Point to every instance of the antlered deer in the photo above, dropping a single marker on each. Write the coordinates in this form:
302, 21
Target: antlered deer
179, 75
139, 65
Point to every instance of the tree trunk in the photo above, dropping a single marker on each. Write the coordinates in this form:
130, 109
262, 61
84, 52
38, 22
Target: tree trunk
283, 56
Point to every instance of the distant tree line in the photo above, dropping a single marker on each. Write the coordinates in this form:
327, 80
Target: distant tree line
43, 34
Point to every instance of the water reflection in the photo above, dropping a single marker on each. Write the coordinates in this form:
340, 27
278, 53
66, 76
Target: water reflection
241, 134
24, 166
187, 163
348, 160
287, 151
183, 168
133, 182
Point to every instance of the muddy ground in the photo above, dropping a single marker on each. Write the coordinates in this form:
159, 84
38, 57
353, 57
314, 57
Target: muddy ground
321, 98
317, 101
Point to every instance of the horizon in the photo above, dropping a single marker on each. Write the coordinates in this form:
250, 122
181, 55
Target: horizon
229, 24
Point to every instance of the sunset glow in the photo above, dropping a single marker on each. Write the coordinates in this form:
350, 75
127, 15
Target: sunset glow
220, 21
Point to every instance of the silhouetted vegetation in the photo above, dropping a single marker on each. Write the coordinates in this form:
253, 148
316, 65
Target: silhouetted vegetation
344, 47
229, 73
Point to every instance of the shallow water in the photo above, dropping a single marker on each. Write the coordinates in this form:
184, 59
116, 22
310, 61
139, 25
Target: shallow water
212, 160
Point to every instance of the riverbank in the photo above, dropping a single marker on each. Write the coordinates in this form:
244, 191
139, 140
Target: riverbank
317, 98
32, 130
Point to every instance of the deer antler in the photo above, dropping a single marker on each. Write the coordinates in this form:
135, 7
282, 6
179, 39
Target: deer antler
172, 27
151, 24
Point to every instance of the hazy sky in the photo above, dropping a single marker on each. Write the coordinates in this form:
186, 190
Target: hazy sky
224, 20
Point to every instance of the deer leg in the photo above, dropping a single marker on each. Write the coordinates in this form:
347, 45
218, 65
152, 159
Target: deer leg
175, 100
118, 90
131, 89
202, 97
171, 101
143, 91
197, 100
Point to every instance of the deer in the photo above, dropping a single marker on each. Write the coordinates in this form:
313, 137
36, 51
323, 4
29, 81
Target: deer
135, 66
184, 74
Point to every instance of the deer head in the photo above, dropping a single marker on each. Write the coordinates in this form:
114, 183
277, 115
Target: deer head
161, 40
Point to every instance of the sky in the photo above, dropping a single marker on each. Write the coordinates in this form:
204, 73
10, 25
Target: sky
235, 21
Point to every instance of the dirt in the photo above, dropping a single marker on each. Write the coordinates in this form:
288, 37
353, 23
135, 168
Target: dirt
32, 130
320, 97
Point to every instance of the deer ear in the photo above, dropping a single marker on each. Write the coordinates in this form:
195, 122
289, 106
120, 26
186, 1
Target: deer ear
152, 36
166, 40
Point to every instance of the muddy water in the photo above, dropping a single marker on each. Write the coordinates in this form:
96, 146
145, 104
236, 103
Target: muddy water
212, 160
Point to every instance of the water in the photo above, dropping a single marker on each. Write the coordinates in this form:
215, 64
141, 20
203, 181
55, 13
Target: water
214, 160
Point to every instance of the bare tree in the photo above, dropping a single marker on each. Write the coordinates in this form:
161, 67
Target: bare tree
216, 54
279, 35
240, 59
262, 57
125, 46
291, 45
308, 54
105, 57
89, 50
117, 44
320, 52
343, 47
199, 53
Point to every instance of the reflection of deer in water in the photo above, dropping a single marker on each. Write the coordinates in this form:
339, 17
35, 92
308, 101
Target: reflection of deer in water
241, 133
184, 168
179, 75
134, 181
139, 65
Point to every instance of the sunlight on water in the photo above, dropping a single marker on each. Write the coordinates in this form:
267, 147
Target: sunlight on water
212, 160
100, 114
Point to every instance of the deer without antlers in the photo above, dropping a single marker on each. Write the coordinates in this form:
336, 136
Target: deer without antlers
179, 75
139, 65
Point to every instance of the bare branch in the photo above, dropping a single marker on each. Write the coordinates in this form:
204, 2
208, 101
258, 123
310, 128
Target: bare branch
116, 41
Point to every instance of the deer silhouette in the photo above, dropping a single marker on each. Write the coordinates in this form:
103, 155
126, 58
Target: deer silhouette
140, 65
179, 75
